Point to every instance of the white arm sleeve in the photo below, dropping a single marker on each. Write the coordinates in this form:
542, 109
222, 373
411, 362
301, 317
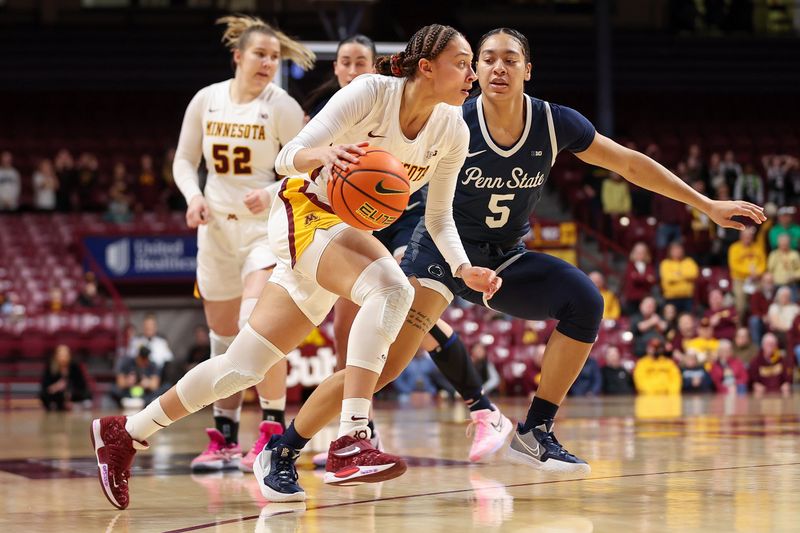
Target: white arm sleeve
347, 107
190, 148
439, 208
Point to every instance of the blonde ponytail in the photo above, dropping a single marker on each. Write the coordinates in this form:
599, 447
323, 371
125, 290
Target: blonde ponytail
239, 28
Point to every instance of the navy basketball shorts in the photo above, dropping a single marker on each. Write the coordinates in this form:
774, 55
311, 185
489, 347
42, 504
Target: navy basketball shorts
397, 236
536, 286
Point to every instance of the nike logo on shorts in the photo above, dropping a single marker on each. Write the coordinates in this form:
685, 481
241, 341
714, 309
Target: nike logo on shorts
412, 206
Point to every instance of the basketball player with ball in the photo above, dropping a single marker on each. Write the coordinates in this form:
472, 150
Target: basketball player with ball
411, 115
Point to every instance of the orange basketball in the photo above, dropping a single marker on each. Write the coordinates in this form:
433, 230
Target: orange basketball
372, 194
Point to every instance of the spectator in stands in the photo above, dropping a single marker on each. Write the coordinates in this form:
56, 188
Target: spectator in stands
687, 329
715, 174
160, 352
672, 218
616, 378
589, 381
486, 369
10, 183
89, 297
777, 168
749, 186
611, 309
417, 376
88, 195
171, 195
56, 303
782, 313
703, 230
705, 345
45, 186
678, 277
724, 319
747, 261
693, 376
615, 195
670, 315
759, 307
785, 225
656, 373
639, 278
63, 382
119, 206
6, 307
200, 350
743, 347
728, 372
138, 382
148, 189
784, 264
696, 168
646, 325
67, 179
771, 370
731, 170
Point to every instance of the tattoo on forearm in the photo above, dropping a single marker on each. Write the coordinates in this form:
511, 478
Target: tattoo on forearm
419, 320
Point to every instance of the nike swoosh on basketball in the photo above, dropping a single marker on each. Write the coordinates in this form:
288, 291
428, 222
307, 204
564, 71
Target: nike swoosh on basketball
409, 207
380, 189
473, 154
374, 136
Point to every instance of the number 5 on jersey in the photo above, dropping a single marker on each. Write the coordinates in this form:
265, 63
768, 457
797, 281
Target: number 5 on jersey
502, 212
222, 161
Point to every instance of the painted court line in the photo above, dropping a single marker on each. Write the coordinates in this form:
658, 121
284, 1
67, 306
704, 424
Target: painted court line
456, 491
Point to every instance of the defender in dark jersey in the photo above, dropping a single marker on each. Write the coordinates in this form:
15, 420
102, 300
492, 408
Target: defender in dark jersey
514, 141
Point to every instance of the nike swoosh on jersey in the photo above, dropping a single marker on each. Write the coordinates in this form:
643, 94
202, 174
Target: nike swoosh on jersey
380, 189
473, 154
412, 206
374, 136
212, 110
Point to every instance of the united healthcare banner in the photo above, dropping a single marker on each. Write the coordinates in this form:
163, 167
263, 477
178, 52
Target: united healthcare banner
145, 258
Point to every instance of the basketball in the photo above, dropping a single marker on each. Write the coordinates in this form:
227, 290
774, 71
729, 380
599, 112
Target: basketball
371, 194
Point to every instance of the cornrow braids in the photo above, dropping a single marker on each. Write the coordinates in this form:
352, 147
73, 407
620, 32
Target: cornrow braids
240, 27
427, 43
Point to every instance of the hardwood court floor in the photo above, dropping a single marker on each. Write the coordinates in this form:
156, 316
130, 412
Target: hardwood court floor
659, 464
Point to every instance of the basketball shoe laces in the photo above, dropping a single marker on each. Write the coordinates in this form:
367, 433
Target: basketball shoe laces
121, 458
286, 472
553, 447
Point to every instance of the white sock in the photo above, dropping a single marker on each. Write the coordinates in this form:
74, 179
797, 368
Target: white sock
355, 416
273, 405
230, 414
147, 421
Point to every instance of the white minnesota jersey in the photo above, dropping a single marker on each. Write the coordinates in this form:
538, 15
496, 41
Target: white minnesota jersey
238, 141
368, 109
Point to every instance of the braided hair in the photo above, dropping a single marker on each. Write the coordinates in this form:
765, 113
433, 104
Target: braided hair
239, 28
427, 43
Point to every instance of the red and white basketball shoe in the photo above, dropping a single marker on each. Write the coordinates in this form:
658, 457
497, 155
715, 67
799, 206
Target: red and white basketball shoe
114, 450
352, 461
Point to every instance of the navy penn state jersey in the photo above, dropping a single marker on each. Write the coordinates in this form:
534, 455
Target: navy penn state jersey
498, 187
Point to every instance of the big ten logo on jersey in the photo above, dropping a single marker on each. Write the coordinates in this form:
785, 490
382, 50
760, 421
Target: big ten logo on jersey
519, 179
370, 213
308, 371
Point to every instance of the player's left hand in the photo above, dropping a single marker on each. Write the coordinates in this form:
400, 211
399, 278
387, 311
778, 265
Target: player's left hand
257, 201
482, 280
722, 212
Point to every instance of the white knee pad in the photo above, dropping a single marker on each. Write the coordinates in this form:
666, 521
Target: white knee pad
383, 287
219, 343
244, 364
385, 296
245, 310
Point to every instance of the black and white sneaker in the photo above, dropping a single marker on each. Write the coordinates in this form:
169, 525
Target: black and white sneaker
540, 449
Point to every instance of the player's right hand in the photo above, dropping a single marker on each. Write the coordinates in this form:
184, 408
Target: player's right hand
339, 156
197, 213
481, 279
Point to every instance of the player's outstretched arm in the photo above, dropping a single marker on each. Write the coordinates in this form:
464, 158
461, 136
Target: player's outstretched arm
651, 175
